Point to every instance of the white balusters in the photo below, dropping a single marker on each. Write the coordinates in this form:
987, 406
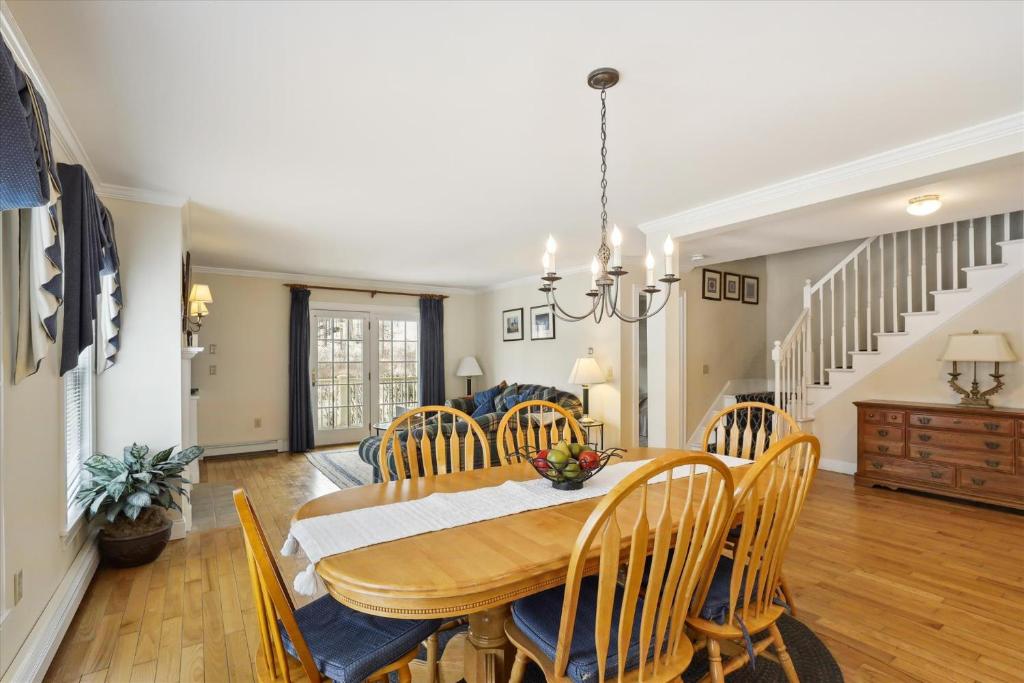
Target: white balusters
970, 244
881, 284
895, 287
910, 276
832, 346
938, 257
845, 335
988, 240
821, 337
956, 256
856, 305
924, 270
867, 296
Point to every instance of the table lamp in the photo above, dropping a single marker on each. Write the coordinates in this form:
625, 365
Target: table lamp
977, 348
586, 371
469, 368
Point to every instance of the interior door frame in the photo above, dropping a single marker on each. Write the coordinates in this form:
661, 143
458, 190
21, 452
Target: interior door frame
374, 313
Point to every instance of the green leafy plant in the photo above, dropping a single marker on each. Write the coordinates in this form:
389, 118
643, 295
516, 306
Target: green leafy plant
138, 481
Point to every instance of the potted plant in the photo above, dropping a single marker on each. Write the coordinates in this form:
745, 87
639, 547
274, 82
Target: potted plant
132, 494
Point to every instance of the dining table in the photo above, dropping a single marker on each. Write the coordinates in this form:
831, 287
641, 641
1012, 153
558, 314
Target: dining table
476, 570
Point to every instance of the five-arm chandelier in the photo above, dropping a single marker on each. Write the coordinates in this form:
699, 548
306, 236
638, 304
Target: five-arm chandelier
604, 289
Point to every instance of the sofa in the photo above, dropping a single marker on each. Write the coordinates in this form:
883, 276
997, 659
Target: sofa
508, 394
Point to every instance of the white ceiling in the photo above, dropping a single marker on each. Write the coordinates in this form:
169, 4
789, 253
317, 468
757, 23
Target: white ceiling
974, 191
440, 143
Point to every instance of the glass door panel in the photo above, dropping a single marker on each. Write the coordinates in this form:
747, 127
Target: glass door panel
397, 367
339, 374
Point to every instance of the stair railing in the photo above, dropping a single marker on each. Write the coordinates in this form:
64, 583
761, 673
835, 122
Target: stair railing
869, 292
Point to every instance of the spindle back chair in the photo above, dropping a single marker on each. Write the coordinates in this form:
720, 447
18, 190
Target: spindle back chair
733, 434
417, 452
537, 425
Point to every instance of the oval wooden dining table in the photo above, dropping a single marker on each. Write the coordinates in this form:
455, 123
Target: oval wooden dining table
477, 569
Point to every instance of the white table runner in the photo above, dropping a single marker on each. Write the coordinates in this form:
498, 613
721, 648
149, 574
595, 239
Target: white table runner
327, 535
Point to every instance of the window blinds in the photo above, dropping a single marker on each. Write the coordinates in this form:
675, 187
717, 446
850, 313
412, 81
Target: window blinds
78, 427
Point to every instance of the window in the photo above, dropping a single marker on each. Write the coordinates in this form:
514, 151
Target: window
79, 421
398, 358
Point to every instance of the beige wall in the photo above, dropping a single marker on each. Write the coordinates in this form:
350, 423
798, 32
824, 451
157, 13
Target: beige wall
248, 322
726, 336
549, 362
916, 375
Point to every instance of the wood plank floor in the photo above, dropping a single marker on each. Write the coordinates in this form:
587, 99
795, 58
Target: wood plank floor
901, 587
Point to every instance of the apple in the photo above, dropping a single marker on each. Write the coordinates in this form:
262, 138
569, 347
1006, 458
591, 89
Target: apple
589, 460
541, 463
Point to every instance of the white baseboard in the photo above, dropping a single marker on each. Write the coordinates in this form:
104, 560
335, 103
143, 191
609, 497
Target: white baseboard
178, 529
214, 450
35, 655
840, 466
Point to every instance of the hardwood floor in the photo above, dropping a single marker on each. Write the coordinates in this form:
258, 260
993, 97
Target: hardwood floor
901, 587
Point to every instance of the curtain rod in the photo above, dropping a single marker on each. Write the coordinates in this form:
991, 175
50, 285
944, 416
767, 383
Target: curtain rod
371, 292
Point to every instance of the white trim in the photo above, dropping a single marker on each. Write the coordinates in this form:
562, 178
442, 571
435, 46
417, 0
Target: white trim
326, 280
136, 194
35, 655
840, 466
214, 450
974, 144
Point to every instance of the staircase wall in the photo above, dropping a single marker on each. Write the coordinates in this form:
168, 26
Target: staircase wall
917, 375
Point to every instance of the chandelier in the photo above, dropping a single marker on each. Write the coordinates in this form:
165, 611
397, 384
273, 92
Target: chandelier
604, 288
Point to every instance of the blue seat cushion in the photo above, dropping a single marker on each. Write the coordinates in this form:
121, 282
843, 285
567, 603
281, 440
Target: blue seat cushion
538, 616
347, 645
716, 606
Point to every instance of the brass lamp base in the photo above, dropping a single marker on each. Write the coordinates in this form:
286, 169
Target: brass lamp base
975, 397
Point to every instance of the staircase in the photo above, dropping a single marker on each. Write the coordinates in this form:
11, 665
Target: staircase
889, 292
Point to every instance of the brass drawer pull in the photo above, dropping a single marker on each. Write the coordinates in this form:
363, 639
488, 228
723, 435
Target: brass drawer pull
924, 420
977, 482
992, 463
992, 445
936, 475
924, 437
992, 426
877, 465
925, 454
871, 416
957, 421
883, 448
883, 432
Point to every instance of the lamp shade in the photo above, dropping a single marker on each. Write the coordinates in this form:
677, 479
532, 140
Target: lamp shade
469, 367
586, 371
197, 309
978, 347
200, 293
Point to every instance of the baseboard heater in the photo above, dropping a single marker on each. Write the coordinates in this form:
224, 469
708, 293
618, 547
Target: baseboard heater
241, 448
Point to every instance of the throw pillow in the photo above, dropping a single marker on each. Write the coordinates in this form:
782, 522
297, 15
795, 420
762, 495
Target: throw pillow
484, 400
548, 395
500, 402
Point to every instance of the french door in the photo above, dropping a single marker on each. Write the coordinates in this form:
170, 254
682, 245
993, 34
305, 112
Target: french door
365, 370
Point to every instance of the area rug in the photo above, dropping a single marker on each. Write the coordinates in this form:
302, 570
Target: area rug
342, 466
812, 659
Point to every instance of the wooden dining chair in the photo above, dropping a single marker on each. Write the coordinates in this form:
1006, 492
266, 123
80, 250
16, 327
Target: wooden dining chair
419, 446
740, 599
324, 640
734, 434
537, 424
746, 430
598, 627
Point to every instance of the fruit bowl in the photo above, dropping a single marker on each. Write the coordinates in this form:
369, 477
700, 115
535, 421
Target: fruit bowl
567, 466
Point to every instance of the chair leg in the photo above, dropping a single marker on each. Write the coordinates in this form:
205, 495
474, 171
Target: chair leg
715, 661
784, 658
787, 595
404, 674
432, 666
518, 667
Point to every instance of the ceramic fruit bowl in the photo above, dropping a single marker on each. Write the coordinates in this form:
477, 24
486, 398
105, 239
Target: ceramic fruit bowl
565, 465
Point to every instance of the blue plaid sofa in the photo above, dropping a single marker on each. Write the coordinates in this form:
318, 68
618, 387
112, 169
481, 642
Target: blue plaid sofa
369, 448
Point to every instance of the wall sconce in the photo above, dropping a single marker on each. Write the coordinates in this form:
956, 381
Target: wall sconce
977, 348
198, 297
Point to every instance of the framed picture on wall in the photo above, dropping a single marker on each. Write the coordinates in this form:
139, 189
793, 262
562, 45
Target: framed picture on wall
512, 324
542, 322
712, 285
751, 290
731, 286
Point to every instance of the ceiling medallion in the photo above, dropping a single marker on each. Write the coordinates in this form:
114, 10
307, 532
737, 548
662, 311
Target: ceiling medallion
604, 289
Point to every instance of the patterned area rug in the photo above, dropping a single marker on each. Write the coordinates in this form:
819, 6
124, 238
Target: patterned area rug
342, 466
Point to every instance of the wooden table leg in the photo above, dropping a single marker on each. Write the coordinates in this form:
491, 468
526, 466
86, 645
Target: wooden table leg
489, 654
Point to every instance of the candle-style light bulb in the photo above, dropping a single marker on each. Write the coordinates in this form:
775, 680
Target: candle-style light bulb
649, 262
552, 247
669, 248
546, 260
616, 246
593, 273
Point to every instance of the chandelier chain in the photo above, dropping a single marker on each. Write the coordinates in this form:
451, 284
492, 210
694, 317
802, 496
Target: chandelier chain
604, 161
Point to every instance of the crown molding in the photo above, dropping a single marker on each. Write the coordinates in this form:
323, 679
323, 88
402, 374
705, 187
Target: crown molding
406, 287
975, 144
134, 194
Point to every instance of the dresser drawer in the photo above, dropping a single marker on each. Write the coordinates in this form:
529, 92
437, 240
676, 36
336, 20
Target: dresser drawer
875, 416
1020, 428
966, 423
970, 442
881, 432
901, 468
996, 462
872, 446
991, 483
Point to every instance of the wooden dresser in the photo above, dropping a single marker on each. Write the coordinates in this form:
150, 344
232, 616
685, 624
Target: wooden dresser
971, 453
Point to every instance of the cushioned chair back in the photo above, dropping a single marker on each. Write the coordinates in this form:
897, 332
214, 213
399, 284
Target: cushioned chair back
769, 498
273, 603
536, 425
682, 522
420, 446
746, 430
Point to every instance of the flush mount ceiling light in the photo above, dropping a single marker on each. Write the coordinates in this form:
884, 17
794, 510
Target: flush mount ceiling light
924, 205
604, 289
696, 258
